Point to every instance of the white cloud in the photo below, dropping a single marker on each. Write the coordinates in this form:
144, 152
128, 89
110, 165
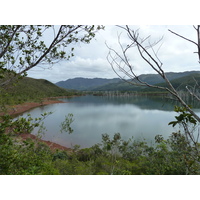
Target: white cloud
90, 59
79, 67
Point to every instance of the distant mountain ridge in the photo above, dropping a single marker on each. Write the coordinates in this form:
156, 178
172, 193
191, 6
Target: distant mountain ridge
101, 84
85, 83
152, 79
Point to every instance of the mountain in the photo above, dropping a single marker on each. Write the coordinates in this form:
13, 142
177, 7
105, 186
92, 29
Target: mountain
30, 89
191, 81
152, 79
101, 84
85, 83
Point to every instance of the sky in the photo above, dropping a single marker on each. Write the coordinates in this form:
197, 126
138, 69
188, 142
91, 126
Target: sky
90, 60
152, 17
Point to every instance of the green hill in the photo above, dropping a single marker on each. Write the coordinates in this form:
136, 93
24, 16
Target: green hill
29, 89
191, 81
116, 84
154, 79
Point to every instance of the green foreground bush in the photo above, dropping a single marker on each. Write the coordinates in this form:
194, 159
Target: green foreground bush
113, 156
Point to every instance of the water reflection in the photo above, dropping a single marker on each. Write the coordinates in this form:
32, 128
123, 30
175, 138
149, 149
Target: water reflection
144, 102
141, 117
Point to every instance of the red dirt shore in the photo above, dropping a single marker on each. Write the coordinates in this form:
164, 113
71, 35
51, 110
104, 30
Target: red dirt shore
21, 108
53, 146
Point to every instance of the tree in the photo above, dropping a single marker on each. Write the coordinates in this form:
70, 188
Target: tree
120, 62
23, 47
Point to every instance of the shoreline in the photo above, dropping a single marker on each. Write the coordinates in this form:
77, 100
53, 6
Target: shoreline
24, 107
52, 145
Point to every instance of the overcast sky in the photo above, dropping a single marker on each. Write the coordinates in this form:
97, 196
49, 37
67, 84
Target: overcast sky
90, 60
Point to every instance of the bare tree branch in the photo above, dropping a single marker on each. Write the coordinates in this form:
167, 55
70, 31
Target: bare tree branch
194, 92
121, 61
183, 37
189, 40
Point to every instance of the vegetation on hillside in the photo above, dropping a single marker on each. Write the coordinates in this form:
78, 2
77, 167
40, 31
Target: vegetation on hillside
116, 84
29, 90
180, 84
178, 80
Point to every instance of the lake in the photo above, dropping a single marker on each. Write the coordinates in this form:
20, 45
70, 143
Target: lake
137, 116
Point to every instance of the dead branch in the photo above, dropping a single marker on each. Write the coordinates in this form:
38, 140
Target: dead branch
121, 62
189, 40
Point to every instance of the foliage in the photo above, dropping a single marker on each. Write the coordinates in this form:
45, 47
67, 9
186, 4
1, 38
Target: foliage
188, 122
25, 156
29, 89
22, 157
113, 156
184, 117
66, 124
23, 47
116, 156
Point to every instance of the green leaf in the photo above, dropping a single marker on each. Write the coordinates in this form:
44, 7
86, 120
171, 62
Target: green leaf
173, 123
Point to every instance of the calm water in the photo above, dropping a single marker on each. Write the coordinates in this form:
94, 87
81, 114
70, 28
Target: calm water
140, 117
